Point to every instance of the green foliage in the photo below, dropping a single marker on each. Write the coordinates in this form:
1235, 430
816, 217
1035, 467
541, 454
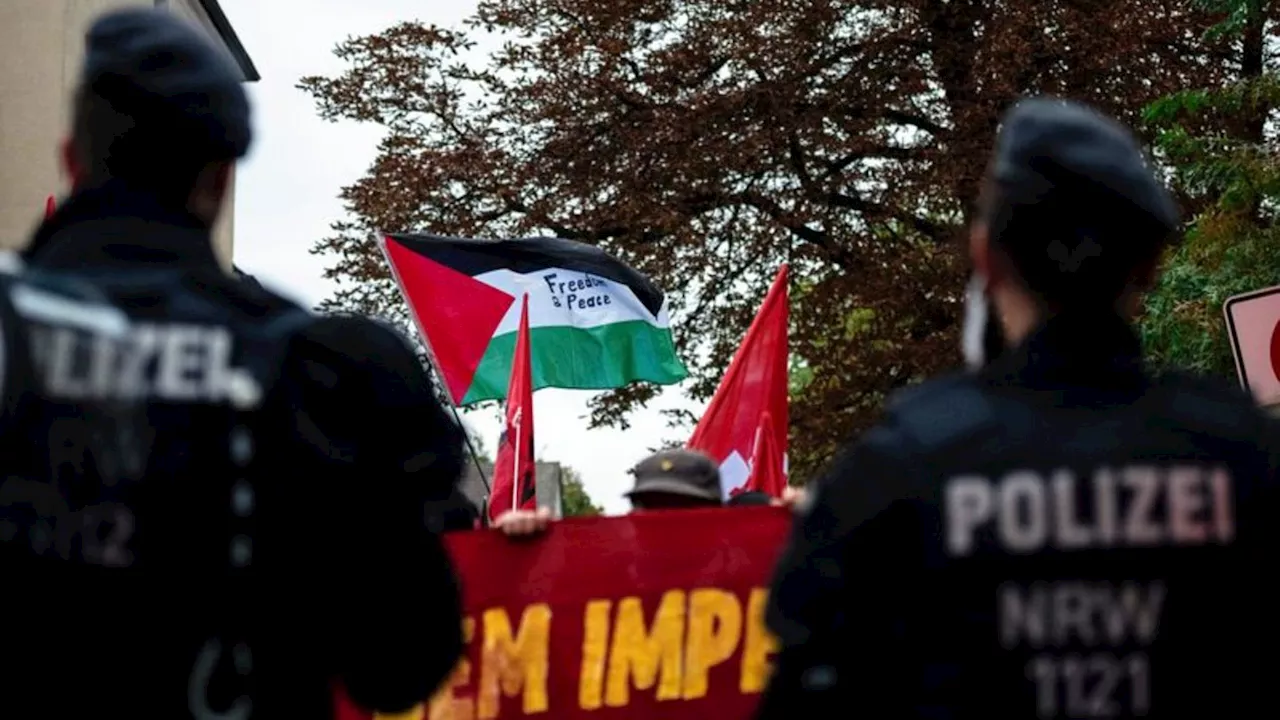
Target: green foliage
1236, 15
857, 323
574, 499
1183, 325
1228, 173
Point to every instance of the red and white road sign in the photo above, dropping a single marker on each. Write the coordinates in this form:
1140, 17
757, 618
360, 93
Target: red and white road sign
1253, 324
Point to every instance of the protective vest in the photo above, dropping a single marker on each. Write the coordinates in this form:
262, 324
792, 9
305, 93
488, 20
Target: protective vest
170, 380
1085, 520
1060, 534
71, 453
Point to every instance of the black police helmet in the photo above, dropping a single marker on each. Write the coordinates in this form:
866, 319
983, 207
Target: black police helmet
172, 89
1072, 201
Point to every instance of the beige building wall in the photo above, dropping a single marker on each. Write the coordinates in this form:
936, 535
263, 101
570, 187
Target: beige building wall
41, 43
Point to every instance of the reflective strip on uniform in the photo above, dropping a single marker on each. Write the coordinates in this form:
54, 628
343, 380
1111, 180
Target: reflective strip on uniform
54, 309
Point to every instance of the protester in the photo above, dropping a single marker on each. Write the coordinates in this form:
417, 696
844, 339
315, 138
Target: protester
1057, 533
667, 480
676, 479
795, 497
792, 497
523, 523
751, 497
279, 520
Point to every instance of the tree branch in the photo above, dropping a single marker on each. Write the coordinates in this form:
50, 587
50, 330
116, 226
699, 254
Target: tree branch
916, 121
819, 238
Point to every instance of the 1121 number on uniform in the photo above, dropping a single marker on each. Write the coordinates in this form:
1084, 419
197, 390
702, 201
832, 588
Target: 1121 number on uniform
1098, 685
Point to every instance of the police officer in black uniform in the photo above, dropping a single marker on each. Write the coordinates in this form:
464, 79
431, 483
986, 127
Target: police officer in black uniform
1059, 533
72, 448
273, 545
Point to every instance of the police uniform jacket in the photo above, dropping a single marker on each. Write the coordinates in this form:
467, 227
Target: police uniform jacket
1060, 534
280, 546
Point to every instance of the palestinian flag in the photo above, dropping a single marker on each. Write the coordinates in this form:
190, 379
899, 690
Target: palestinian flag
594, 322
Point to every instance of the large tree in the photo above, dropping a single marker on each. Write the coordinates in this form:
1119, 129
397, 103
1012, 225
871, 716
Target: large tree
1224, 159
707, 141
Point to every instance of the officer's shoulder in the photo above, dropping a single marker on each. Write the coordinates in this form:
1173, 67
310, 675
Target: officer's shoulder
358, 337
58, 297
1209, 404
251, 301
1205, 386
355, 342
940, 412
338, 337
913, 395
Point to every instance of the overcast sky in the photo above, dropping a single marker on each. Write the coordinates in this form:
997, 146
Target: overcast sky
287, 195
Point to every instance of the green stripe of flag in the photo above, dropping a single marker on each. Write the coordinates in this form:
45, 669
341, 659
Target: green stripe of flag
599, 358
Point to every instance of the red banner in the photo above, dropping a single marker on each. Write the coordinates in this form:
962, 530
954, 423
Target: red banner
646, 616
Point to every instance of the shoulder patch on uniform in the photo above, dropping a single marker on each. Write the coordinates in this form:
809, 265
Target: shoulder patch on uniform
941, 411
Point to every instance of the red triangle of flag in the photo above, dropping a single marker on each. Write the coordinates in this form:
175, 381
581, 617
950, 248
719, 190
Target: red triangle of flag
456, 313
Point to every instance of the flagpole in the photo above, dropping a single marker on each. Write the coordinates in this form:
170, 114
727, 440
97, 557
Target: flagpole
475, 456
515, 467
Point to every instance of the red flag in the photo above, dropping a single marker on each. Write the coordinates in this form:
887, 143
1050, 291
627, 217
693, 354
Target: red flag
514, 469
50, 205
768, 466
754, 384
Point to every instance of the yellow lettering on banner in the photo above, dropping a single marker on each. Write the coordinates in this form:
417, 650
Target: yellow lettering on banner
759, 645
512, 662
444, 705
715, 627
638, 653
595, 644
